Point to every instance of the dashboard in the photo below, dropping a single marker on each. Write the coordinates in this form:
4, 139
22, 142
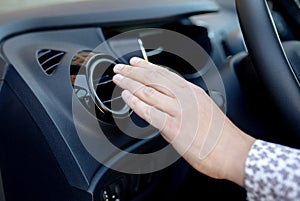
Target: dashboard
67, 131
64, 81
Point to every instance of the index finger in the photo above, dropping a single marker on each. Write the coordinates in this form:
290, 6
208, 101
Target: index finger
138, 62
152, 75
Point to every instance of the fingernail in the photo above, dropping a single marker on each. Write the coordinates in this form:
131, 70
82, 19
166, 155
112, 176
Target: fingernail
135, 60
118, 67
118, 77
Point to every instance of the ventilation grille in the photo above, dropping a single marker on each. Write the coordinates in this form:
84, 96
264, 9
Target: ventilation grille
105, 93
49, 60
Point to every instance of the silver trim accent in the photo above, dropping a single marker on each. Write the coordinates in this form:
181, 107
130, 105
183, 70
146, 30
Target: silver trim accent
155, 52
144, 53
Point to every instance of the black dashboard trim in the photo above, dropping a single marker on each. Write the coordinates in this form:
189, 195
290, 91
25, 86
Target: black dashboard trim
96, 13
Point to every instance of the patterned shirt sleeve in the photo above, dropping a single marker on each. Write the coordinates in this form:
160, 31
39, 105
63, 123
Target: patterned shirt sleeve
272, 172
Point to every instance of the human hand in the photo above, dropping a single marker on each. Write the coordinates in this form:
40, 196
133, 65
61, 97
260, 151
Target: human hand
186, 117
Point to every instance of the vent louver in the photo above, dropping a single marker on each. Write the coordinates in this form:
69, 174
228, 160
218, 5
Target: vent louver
49, 59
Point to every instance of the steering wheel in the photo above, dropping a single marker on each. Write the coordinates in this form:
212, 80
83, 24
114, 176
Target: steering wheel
270, 60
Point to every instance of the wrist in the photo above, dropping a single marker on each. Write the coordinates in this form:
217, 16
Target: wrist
234, 149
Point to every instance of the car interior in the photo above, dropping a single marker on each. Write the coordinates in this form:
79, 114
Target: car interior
67, 135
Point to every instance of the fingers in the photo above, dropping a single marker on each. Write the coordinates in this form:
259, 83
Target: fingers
148, 94
158, 96
148, 77
152, 115
138, 62
152, 75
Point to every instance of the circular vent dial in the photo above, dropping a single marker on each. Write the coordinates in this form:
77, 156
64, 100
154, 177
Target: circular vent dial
105, 93
91, 76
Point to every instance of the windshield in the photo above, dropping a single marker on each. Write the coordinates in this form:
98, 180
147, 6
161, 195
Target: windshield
15, 5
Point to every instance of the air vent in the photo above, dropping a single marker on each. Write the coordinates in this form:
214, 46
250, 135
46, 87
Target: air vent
49, 59
105, 93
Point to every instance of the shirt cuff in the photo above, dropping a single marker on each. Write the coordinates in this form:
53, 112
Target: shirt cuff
272, 172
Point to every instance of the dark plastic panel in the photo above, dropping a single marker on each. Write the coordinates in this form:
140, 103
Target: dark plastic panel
87, 13
52, 109
29, 169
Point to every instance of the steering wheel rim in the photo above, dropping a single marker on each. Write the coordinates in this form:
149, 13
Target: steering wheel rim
270, 61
